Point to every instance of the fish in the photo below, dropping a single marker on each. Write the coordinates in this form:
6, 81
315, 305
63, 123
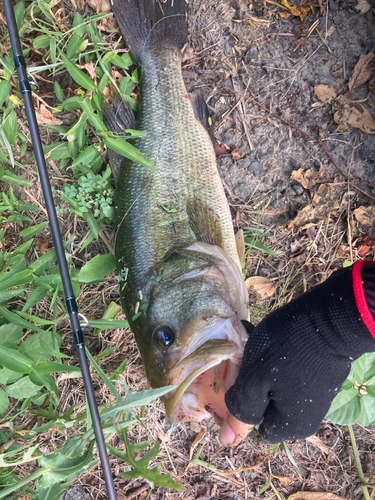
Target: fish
178, 266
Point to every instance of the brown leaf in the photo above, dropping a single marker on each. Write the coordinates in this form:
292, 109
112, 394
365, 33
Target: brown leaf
237, 153
325, 93
240, 245
108, 24
197, 440
343, 251
338, 74
350, 114
367, 243
308, 178
362, 71
365, 215
90, 68
362, 120
284, 480
256, 21
362, 6
295, 246
265, 287
315, 495
100, 6
44, 116
42, 245
319, 444
324, 202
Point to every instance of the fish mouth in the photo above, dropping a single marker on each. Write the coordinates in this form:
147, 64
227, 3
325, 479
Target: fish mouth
204, 375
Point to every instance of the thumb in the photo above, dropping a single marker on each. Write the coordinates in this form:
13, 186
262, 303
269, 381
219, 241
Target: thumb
233, 430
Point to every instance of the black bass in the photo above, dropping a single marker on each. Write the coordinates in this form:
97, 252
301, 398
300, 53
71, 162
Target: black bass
180, 274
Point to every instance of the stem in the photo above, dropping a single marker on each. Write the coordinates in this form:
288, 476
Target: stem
358, 464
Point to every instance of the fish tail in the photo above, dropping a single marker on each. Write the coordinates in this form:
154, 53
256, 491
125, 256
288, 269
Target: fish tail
151, 24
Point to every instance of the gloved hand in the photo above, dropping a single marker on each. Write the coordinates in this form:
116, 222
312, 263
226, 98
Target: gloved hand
297, 358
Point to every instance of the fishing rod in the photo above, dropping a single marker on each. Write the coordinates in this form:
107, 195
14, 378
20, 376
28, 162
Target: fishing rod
59, 247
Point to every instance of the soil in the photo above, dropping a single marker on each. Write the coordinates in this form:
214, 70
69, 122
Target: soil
258, 72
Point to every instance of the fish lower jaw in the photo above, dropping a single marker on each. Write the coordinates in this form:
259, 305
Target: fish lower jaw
204, 397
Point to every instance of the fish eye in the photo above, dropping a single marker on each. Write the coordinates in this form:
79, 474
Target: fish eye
164, 336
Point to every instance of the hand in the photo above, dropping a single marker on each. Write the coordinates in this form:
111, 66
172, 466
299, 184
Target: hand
296, 360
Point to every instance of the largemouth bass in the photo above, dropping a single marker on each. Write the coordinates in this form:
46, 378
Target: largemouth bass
180, 274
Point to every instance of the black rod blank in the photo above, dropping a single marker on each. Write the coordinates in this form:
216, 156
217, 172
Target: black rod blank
64, 271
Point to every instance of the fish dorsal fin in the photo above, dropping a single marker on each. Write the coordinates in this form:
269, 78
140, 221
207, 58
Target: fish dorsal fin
240, 245
205, 223
200, 109
118, 117
202, 114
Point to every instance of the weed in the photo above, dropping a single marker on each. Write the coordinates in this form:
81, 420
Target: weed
92, 193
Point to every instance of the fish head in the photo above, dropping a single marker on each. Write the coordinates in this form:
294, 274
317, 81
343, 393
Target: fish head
193, 334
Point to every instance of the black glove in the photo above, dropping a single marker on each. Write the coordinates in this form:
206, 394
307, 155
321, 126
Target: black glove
297, 358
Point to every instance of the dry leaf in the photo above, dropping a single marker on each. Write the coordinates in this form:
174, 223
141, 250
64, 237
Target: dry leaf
362, 120
295, 247
44, 116
16, 100
307, 178
338, 74
108, 24
284, 480
188, 54
324, 202
265, 287
42, 245
343, 252
349, 114
256, 21
362, 6
90, 68
362, 71
100, 6
300, 12
365, 215
319, 444
237, 153
367, 243
325, 93
315, 495
240, 245
197, 440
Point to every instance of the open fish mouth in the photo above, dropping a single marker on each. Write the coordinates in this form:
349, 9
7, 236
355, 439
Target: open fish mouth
204, 375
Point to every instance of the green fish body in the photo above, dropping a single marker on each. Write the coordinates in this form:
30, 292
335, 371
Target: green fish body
180, 274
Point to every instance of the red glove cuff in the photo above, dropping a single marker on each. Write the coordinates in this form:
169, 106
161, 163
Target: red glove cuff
360, 295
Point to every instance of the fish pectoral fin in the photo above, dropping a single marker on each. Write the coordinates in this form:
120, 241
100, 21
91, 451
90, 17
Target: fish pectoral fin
240, 245
205, 223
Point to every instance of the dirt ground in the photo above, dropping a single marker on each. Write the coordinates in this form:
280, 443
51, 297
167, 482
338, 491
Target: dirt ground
258, 72
287, 172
